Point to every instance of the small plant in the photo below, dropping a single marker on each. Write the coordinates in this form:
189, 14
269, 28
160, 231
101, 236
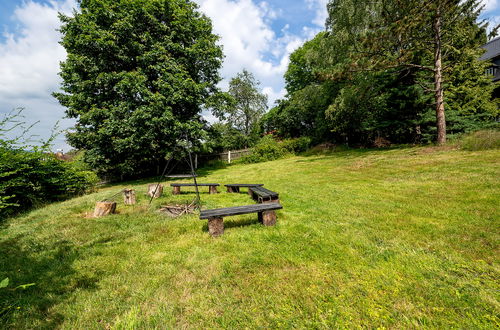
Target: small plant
297, 145
265, 150
481, 140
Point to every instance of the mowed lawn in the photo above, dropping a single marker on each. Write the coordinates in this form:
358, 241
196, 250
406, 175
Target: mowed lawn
397, 238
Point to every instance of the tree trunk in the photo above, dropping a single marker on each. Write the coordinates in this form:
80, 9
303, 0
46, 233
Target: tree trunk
129, 196
155, 190
438, 79
104, 208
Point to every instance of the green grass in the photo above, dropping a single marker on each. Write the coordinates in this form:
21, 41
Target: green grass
397, 238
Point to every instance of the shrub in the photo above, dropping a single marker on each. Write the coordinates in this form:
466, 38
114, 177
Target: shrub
31, 178
481, 140
297, 145
266, 149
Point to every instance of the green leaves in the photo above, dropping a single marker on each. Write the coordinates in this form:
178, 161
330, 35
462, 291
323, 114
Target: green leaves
4, 283
136, 72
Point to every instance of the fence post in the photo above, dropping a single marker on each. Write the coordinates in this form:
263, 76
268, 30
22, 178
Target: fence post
229, 156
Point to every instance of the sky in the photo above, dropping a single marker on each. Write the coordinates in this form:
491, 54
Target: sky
256, 35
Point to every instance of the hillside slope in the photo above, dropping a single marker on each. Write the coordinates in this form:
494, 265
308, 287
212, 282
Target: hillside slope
393, 238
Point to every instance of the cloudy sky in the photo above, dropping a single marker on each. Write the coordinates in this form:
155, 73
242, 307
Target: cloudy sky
256, 35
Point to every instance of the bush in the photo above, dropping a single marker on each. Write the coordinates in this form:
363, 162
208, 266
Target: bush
266, 149
31, 178
481, 140
297, 145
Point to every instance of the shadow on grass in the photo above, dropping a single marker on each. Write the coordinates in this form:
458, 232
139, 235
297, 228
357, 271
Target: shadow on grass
50, 268
233, 223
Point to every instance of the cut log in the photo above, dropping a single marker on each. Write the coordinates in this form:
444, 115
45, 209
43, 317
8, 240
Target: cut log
216, 226
129, 196
104, 208
155, 190
176, 190
268, 218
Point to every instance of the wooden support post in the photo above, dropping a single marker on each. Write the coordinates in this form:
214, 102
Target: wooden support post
250, 192
230, 189
155, 190
104, 208
213, 190
216, 226
269, 218
129, 196
176, 190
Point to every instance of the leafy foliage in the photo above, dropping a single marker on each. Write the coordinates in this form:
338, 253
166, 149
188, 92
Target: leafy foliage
243, 106
136, 77
265, 150
370, 75
30, 178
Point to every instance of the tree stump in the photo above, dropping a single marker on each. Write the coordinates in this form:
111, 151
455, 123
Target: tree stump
268, 218
213, 190
155, 190
216, 226
129, 196
104, 208
176, 190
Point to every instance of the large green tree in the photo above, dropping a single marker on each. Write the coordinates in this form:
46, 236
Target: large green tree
430, 39
248, 103
136, 77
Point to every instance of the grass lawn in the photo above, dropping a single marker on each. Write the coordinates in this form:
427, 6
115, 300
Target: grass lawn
397, 238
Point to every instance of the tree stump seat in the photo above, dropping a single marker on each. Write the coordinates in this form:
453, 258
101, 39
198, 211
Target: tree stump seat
263, 195
266, 214
212, 187
235, 187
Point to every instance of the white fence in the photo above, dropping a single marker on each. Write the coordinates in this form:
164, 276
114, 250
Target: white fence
234, 154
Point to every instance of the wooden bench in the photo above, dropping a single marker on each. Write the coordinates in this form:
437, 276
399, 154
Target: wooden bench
212, 187
263, 195
180, 176
235, 187
266, 215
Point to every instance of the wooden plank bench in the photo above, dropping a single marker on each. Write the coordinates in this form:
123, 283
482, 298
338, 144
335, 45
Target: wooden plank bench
266, 215
180, 176
263, 195
212, 187
235, 187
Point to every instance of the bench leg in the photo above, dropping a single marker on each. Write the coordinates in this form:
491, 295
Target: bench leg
271, 201
176, 191
213, 190
216, 226
250, 192
268, 218
230, 189
236, 189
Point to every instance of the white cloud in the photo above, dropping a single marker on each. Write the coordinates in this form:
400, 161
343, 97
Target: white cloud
29, 62
319, 6
250, 43
491, 5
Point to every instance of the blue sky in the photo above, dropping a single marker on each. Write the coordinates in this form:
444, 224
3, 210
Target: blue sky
256, 35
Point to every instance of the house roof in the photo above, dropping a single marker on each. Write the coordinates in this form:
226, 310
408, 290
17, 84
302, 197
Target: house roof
492, 49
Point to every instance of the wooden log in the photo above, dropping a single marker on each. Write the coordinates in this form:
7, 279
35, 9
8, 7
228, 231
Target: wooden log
230, 189
155, 190
216, 226
213, 190
129, 196
269, 218
104, 208
176, 190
